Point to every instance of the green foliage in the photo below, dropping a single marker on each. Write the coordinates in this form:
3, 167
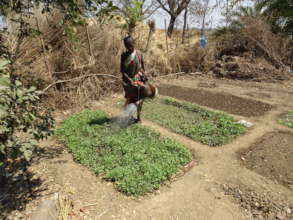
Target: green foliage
133, 15
134, 11
246, 12
74, 12
207, 127
22, 122
279, 13
287, 119
224, 31
137, 159
237, 20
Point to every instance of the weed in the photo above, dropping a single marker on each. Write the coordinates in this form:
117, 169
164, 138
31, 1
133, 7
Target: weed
137, 159
287, 119
207, 127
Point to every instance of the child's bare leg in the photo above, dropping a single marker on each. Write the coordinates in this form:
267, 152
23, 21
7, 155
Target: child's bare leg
139, 108
126, 101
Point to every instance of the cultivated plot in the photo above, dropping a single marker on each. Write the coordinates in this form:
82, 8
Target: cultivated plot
199, 124
137, 159
271, 157
220, 101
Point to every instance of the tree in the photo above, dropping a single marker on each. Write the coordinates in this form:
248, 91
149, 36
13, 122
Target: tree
152, 29
238, 16
243, 11
133, 14
200, 9
20, 113
134, 11
75, 11
237, 20
23, 118
148, 7
279, 13
174, 9
184, 25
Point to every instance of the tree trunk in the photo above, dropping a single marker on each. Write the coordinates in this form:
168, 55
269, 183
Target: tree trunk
151, 32
2, 175
171, 26
131, 27
184, 25
203, 25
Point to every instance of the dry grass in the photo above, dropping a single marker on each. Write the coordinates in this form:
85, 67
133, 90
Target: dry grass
64, 207
256, 40
65, 204
95, 49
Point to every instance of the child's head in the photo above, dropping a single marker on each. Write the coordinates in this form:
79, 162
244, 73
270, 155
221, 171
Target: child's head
129, 43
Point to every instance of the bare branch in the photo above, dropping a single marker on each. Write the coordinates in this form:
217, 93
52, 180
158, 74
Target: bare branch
163, 7
78, 78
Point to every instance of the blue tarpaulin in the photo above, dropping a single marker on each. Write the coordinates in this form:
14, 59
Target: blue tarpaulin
203, 41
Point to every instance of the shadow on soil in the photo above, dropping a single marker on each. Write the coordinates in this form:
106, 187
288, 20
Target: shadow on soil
21, 187
16, 191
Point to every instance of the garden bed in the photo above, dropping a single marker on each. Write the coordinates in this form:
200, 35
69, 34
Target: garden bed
271, 157
199, 124
135, 158
220, 101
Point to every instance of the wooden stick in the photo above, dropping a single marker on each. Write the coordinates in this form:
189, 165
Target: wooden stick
44, 48
166, 35
89, 41
78, 78
180, 73
112, 76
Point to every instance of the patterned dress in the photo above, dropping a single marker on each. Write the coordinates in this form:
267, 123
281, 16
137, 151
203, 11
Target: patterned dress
132, 67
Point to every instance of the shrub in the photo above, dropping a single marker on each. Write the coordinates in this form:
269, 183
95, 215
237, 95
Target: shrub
23, 122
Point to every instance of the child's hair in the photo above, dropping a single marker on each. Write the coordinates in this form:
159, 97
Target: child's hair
128, 41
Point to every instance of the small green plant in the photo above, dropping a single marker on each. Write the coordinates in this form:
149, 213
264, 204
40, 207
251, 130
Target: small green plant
135, 158
287, 119
207, 127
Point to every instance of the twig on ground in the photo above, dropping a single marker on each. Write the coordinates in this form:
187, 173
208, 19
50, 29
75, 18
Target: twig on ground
104, 212
180, 73
94, 204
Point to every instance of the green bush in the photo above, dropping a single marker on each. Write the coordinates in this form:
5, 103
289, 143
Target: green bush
207, 127
23, 122
137, 159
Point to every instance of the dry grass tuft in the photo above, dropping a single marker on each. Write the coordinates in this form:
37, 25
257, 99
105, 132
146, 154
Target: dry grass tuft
65, 204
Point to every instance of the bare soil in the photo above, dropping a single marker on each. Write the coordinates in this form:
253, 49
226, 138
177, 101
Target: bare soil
220, 101
271, 156
260, 205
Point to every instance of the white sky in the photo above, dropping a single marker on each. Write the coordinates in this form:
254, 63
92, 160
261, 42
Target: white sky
214, 19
